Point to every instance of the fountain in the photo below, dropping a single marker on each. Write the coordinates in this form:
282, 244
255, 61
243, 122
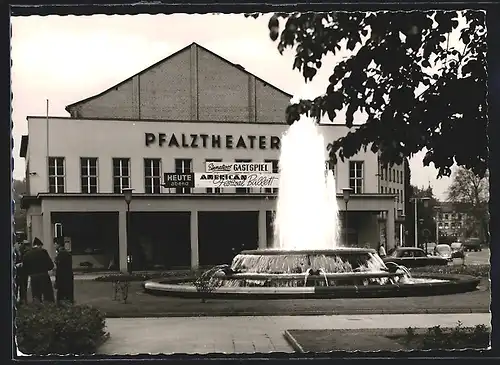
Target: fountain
306, 260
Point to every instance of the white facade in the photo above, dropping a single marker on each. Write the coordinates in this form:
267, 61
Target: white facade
74, 139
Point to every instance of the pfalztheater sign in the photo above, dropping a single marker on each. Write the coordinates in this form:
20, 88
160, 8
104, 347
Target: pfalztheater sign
214, 141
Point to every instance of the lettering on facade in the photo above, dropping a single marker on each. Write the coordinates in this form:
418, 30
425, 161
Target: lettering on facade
256, 180
222, 167
212, 141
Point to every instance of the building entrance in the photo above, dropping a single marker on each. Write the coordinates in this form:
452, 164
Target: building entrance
222, 235
160, 240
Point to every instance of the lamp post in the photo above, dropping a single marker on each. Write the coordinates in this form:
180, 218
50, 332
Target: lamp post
127, 194
401, 217
415, 200
346, 192
437, 210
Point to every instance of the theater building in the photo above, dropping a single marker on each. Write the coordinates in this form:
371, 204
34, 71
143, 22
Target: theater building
190, 108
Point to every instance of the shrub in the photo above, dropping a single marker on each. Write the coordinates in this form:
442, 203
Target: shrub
43, 329
438, 338
473, 270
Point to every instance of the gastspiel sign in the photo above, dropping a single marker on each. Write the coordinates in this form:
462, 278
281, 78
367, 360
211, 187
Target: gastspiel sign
238, 167
213, 141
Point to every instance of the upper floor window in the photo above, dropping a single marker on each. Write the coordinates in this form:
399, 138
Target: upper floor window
394, 175
121, 174
88, 174
401, 180
152, 175
183, 165
57, 173
381, 174
243, 190
275, 169
356, 176
446, 216
214, 190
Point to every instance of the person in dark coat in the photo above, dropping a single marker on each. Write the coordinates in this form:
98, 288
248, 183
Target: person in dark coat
37, 264
20, 272
64, 275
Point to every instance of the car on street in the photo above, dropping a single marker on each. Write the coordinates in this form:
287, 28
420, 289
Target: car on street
472, 244
444, 251
430, 247
413, 257
457, 250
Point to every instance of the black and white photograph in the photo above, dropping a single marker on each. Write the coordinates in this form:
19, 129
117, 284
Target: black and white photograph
252, 183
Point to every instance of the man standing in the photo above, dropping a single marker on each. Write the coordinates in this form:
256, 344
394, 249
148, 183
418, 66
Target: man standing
21, 277
64, 275
37, 264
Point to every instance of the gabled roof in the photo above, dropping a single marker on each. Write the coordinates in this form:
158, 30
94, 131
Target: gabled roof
171, 56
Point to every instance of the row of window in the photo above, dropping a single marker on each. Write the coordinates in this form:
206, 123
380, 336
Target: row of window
121, 175
391, 175
153, 176
448, 225
447, 216
397, 192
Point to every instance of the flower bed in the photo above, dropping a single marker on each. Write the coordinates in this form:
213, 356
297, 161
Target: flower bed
438, 338
44, 329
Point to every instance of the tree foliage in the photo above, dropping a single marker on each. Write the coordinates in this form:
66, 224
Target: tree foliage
18, 190
468, 188
392, 56
472, 192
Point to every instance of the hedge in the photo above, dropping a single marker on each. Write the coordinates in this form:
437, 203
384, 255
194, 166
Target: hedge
146, 276
59, 329
482, 271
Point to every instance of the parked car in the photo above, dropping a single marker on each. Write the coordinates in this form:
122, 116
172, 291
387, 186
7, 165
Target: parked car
443, 251
413, 257
430, 247
457, 250
472, 244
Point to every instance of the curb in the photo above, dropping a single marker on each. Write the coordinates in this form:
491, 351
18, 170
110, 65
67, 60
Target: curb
294, 314
293, 342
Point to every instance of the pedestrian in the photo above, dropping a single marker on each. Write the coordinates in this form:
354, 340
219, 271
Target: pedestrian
64, 275
381, 250
37, 264
20, 250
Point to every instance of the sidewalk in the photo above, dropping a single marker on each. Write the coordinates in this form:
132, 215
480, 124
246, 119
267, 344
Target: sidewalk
201, 335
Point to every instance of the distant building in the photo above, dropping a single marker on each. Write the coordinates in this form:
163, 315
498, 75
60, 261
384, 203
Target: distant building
453, 220
190, 108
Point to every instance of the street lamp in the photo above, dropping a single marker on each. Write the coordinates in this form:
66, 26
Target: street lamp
437, 210
402, 218
425, 199
346, 192
127, 194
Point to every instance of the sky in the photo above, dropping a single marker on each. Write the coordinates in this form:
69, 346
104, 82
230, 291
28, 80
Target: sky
68, 58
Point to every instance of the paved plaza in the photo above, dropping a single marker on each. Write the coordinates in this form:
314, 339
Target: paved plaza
202, 335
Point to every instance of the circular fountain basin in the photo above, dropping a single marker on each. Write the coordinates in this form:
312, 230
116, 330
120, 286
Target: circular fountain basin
315, 274
427, 285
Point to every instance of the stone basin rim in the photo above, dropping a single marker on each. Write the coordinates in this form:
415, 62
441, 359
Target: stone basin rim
326, 252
